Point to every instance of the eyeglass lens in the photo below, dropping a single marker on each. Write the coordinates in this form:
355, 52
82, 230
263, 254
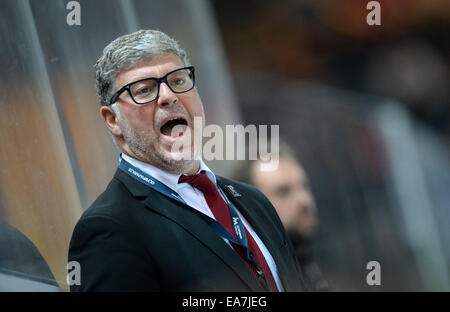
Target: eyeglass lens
147, 90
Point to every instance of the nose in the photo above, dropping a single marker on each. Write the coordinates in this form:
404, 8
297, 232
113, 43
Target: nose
304, 198
166, 96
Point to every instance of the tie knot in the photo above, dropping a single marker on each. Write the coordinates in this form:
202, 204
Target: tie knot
199, 181
190, 178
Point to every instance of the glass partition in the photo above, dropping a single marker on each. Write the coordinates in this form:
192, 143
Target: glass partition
56, 156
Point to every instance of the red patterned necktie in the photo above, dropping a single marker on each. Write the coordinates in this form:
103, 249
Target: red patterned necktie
222, 214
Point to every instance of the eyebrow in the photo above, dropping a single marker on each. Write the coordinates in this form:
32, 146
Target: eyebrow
281, 188
143, 77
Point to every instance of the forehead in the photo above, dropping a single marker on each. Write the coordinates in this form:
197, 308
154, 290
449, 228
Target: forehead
288, 171
156, 66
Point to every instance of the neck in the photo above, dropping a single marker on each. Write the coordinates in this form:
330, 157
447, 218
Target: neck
189, 168
193, 169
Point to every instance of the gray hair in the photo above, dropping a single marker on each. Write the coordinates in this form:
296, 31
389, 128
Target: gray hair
128, 51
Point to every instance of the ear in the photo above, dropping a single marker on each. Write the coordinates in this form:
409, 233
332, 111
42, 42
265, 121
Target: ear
110, 120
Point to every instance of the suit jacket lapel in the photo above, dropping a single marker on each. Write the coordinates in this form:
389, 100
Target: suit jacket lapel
259, 225
192, 223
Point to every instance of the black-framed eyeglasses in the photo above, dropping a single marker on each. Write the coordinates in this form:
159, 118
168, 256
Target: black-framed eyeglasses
147, 90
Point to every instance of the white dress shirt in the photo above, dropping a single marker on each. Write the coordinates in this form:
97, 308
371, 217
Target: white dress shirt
195, 199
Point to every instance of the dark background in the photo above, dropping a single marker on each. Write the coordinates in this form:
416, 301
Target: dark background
340, 90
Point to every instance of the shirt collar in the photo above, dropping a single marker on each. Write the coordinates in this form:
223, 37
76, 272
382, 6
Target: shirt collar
165, 177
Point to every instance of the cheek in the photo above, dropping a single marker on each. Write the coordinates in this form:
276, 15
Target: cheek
281, 206
193, 104
285, 213
141, 118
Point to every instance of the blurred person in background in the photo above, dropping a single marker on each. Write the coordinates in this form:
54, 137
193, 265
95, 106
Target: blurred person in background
287, 188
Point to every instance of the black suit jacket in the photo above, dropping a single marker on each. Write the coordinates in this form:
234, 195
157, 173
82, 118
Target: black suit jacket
133, 238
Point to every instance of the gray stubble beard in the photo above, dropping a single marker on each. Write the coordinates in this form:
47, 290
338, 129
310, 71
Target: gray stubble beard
139, 143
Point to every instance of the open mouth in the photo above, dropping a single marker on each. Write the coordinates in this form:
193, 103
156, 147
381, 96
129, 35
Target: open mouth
174, 127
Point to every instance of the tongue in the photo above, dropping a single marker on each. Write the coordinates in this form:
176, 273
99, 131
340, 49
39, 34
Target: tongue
174, 128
